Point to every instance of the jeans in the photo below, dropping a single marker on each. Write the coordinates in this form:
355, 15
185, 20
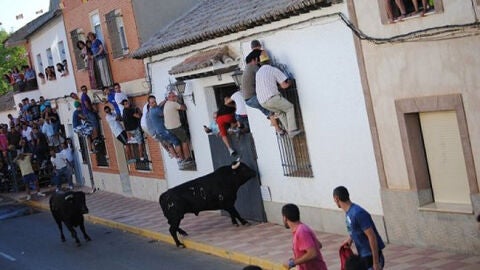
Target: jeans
61, 173
253, 102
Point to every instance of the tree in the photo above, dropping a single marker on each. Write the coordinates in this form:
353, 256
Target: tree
9, 58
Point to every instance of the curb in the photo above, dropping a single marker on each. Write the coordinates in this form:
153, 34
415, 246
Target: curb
193, 245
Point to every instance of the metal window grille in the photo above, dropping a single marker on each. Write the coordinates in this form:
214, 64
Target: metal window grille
83, 148
294, 151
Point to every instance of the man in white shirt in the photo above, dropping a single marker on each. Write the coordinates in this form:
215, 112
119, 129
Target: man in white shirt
240, 110
270, 98
115, 125
119, 96
60, 165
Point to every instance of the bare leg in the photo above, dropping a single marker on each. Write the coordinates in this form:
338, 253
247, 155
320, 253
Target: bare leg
388, 7
401, 6
415, 5
185, 150
227, 144
425, 6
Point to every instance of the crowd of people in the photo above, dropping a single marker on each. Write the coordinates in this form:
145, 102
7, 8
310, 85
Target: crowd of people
21, 80
35, 141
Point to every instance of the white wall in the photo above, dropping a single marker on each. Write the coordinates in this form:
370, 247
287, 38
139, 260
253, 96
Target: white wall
322, 57
48, 37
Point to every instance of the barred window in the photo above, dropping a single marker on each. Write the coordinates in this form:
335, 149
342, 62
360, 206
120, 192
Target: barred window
294, 151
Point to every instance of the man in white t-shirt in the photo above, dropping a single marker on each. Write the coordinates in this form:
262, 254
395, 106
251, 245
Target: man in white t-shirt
119, 96
60, 164
240, 110
115, 125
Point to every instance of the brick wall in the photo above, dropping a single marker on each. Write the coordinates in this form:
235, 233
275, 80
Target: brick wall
77, 16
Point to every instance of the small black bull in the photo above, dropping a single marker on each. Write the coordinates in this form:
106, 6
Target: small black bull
214, 191
69, 207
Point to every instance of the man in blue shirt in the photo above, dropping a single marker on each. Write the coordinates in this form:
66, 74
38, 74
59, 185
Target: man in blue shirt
110, 94
362, 230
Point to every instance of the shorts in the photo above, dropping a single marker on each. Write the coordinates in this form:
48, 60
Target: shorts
166, 137
29, 178
223, 121
179, 133
122, 137
136, 134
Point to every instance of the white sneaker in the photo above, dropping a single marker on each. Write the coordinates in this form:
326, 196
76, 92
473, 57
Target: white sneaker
294, 133
41, 194
70, 187
28, 198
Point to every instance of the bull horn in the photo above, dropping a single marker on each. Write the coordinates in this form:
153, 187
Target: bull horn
236, 165
69, 197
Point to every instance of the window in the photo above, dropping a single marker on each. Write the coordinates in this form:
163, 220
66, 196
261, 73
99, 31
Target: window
61, 51
49, 57
294, 151
40, 67
97, 28
398, 10
116, 32
438, 152
101, 154
78, 35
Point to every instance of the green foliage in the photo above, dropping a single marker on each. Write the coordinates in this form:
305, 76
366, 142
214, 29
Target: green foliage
9, 58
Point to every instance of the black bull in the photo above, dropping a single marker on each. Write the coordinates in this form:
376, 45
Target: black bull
214, 191
69, 207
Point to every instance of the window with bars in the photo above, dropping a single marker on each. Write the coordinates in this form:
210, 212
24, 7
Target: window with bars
83, 148
294, 151
398, 10
116, 32
77, 35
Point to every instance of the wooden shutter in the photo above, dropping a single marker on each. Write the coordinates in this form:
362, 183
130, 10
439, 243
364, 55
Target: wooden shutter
113, 33
76, 51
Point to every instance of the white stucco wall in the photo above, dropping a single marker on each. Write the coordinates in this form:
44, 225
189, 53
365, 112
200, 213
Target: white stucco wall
321, 55
48, 37
416, 69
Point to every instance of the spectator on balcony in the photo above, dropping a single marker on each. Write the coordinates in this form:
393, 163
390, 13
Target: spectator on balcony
119, 96
174, 126
30, 79
270, 98
417, 9
389, 7
131, 121
80, 122
43, 105
100, 55
87, 56
62, 70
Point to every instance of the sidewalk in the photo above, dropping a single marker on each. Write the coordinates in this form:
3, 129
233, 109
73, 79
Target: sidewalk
264, 244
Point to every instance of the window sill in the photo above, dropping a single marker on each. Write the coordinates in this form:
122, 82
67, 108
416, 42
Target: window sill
453, 208
412, 16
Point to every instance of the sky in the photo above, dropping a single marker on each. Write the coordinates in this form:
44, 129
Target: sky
11, 8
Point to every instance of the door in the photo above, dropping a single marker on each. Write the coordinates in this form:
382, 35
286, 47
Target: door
249, 199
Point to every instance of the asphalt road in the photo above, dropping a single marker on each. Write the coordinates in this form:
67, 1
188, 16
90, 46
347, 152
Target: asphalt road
33, 242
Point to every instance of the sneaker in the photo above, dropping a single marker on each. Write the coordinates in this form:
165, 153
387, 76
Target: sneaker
28, 198
188, 161
41, 194
132, 141
70, 187
281, 132
294, 133
233, 153
181, 164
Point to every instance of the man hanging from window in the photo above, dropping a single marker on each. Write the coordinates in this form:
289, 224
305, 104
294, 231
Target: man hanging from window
90, 112
131, 121
174, 126
270, 98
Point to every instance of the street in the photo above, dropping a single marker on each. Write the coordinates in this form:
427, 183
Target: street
33, 242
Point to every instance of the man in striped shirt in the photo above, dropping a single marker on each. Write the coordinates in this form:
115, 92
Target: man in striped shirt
270, 98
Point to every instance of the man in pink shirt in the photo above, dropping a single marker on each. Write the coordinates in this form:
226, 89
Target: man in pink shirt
306, 247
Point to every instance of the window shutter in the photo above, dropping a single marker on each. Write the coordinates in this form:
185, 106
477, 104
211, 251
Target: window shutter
113, 33
76, 51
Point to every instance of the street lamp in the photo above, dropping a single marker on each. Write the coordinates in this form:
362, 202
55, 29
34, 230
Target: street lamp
180, 87
237, 77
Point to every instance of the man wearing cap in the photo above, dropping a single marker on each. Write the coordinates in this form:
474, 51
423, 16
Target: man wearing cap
270, 98
248, 85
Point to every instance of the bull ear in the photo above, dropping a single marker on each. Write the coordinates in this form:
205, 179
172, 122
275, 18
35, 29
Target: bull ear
69, 197
235, 165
